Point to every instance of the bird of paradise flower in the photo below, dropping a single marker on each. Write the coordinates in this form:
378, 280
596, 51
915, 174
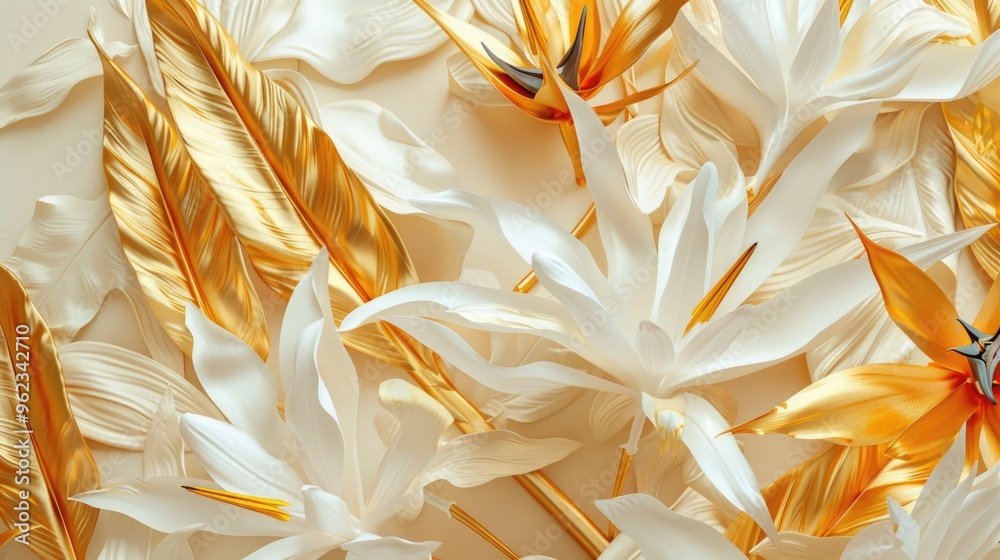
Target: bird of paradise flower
555, 51
915, 409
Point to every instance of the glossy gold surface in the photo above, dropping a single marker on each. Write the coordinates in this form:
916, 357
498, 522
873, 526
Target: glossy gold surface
264, 506
172, 231
44, 461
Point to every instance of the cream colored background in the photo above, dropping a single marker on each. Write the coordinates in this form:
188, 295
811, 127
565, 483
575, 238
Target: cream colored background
495, 150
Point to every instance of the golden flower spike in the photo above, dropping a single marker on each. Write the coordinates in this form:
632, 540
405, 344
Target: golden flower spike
914, 410
527, 80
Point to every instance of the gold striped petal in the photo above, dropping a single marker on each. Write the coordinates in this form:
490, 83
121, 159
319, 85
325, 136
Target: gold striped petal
864, 405
710, 303
975, 128
917, 305
935, 430
610, 111
845, 8
640, 23
173, 232
835, 493
279, 179
988, 318
58, 462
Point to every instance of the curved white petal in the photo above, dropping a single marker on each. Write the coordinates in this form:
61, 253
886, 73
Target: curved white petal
237, 381
649, 171
379, 548
45, 83
467, 82
473, 459
115, 392
796, 546
328, 514
178, 509
692, 504
238, 463
664, 535
117, 536
175, 546
345, 40
609, 413
307, 546
722, 461
163, 450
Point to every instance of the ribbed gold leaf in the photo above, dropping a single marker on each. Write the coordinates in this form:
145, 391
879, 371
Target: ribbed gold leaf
837, 492
173, 232
976, 130
278, 177
59, 464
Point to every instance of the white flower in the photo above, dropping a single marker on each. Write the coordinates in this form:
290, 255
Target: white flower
314, 478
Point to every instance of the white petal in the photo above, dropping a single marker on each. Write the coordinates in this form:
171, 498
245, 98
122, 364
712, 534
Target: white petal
237, 380
531, 378
497, 13
345, 40
177, 509
609, 413
389, 548
46, 82
723, 463
300, 88
252, 23
796, 546
70, 258
117, 536
328, 514
874, 541
238, 463
392, 161
307, 546
664, 535
626, 233
175, 546
649, 171
421, 423
473, 459
115, 392
692, 504
163, 451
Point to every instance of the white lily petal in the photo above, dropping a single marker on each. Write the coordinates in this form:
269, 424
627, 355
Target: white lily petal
467, 82
473, 459
692, 504
326, 513
163, 451
70, 258
117, 536
722, 461
175, 546
422, 420
300, 88
498, 14
943, 479
177, 509
711, 348
877, 540
796, 546
346, 40
45, 83
307, 546
649, 171
664, 535
907, 530
252, 23
238, 463
237, 380
378, 548
531, 378
609, 413
950, 71
115, 392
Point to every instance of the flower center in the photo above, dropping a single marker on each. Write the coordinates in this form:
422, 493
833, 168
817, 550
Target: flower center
982, 354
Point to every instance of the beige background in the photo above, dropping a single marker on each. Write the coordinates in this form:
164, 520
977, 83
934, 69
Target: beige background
495, 150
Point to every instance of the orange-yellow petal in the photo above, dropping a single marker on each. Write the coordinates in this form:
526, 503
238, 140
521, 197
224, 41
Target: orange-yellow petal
864, 405
610, 111
988, 319
917, 305
591, 31
935, 430
640, 23
991, 434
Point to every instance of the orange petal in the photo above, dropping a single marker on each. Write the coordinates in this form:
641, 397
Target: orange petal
917, 305
610, 111
973, 435
568, 132
988, 319
991, 435
864, 405
935, 430
591, 31
640, 23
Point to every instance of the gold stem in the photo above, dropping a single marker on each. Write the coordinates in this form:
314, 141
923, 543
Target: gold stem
624, 464
579, 230
465, 519
426, 370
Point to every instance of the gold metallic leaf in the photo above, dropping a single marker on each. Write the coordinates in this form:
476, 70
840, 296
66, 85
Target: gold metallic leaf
278, 177
835, 493
173, 232
59, 463
975, 129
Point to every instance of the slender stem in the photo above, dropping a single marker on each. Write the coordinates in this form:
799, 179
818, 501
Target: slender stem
465, 519
624, 464
579, 230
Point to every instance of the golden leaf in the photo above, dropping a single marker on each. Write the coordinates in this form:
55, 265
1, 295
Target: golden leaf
264, 506
975, 129
835, 493
172, 231
59, 463
279, 179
